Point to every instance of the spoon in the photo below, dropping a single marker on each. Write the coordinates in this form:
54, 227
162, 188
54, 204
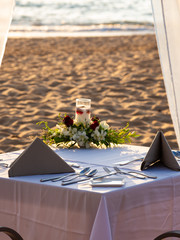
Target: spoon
58, 178
88, 177
84, 172
53, 178
81, 173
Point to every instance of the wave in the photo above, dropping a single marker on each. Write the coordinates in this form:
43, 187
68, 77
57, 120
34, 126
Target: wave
81, 30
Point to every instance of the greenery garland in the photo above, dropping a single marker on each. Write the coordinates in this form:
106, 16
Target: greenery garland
96, 133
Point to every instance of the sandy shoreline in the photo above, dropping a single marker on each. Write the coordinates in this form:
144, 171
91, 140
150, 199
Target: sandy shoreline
41, 77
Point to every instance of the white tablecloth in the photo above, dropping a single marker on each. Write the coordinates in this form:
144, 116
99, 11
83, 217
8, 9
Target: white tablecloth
141, 209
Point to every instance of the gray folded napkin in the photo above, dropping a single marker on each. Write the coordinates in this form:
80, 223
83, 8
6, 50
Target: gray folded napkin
160, 151
38, 159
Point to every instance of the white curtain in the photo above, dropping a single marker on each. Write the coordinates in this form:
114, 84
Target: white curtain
167, 25
6, 12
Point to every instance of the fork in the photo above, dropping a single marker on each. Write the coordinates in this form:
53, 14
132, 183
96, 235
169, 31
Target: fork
139, 173
134, 174
109, 173
117, 170
129, 174
125, 162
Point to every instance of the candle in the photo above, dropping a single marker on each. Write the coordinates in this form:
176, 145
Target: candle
83, 110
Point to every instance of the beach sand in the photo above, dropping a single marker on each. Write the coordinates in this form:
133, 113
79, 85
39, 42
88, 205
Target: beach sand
40, 78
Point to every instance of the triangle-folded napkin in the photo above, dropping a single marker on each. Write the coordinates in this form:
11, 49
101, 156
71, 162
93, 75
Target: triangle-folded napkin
160, 151
38, 159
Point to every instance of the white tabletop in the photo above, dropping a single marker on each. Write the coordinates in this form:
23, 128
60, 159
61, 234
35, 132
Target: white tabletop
141, 209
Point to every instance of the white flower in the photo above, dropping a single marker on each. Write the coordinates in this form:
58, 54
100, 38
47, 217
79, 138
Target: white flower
60, 128
73, 131
104, 125
99, 135
80, 138
74, 137
65, 132
69, 132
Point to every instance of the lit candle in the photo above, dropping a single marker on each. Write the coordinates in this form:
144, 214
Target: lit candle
83, 110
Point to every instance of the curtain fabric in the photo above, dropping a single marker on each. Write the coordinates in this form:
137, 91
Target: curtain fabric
167, 26
6, 12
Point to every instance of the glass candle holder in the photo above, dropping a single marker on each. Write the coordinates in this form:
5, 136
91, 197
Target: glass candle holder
83, 110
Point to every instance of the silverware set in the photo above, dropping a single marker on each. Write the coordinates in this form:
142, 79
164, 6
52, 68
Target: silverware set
87, 174
131, 173
117, 170
60, 178
135, 173
82, 173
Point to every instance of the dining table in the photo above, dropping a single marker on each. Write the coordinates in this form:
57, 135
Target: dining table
140, 209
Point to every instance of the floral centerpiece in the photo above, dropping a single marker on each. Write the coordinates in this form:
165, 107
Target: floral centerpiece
69, 132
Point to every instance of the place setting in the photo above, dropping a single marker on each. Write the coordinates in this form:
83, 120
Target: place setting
159, 155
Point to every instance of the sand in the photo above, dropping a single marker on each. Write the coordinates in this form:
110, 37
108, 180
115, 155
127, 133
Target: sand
42, 77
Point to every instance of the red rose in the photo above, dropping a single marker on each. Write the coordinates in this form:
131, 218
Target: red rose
68, 121
95, 119
94, 125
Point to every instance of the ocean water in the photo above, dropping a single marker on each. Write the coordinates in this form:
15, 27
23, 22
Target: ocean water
81, 17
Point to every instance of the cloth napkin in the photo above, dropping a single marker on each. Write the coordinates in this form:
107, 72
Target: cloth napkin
160, 152
37, 159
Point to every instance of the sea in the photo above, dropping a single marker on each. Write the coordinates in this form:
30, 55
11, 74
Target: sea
42, 18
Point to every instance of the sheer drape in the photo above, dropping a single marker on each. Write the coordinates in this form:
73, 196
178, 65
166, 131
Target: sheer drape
167, 25
6, 12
